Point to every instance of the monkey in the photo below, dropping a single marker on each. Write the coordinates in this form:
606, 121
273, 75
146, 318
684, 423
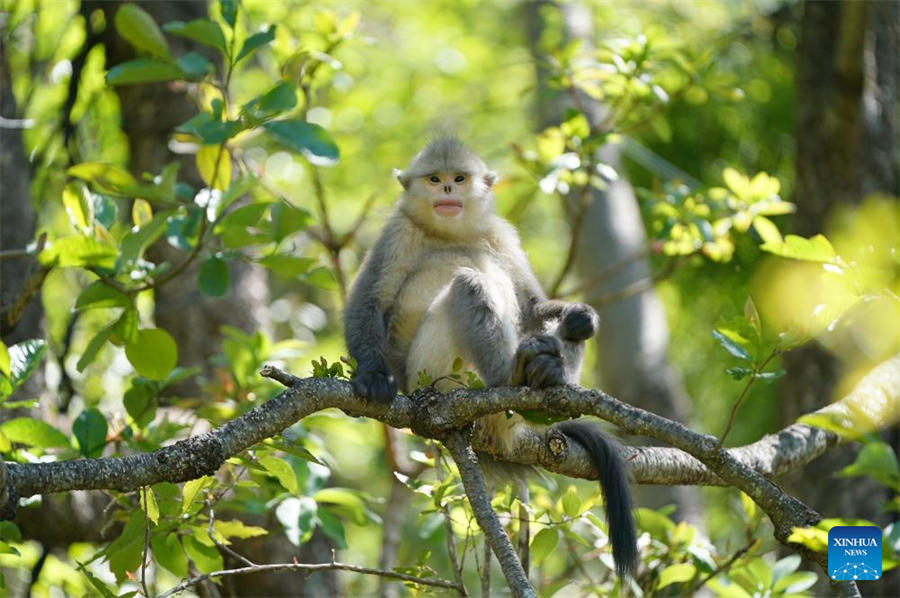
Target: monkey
447, 279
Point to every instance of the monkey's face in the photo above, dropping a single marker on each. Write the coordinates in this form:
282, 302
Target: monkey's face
449, 203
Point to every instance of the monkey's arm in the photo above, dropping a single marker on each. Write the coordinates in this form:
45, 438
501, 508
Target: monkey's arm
365, 329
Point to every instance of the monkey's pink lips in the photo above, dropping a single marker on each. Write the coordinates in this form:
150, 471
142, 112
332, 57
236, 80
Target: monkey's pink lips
448, 207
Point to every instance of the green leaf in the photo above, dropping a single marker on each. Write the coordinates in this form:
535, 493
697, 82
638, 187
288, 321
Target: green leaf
209, 129
282, 471
213, 277
4, 360
33, 432
148, 504
346, 498
876, 459
182, 229
287, 219
571, 502
153, 353
235, 528
287, 266
783, 567
814, 249
280, 98
795, 583
333, 528
658, 525
309, 139
206, 558
105, 210
98, 585
136, 241
93, 346
321, 277
140, 30
200, 30
679, 573
217, 176
24, 357
254, 41
100, 294
191, 489
142, 70
140, 402
169, 554
731, 345
229, 11
543, 543
767, 230
90, 428
77, 201
79, 252
124, 552
195, 66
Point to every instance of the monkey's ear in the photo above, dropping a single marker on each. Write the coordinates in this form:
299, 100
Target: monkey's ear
490, 178
401, 176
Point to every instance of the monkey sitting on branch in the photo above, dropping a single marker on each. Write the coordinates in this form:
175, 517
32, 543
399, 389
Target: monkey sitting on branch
447, 279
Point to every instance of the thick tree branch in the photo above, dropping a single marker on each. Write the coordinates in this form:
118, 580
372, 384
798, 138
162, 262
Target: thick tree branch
874, 403
457, 443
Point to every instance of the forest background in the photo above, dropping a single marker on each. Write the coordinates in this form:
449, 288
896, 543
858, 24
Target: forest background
188, 188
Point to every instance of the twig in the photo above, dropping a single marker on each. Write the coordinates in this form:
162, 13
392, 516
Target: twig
310, 568
486, 570
606, 272
211, 533
473, 482
639, 286
146, 543
448, 523
743, 395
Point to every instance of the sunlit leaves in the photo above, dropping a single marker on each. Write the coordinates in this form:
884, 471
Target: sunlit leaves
79, 251
678, 573
79, 206
214, 166
100, 294
140, 30
309, 139
543, 543
815, 249
200, 30
142, 70
278, 99
255, 41
153, 353
32, 432
877, 459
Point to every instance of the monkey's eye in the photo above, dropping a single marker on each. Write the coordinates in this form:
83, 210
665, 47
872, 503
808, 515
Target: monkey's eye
434, 179
459, 178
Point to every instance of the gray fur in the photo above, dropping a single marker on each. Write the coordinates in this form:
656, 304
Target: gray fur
433, 289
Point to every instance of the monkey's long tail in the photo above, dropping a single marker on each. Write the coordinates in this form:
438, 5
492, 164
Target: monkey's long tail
608, 461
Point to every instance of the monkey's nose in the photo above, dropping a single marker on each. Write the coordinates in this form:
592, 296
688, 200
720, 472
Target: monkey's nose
447, 188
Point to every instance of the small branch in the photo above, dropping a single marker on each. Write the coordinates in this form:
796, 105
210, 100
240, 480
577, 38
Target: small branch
448, 523
486, 570
467, 463
309, 568
743, 395
146, 544
10, 316
606, 272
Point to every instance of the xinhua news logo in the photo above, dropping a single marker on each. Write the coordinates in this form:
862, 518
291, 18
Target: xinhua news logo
854, 553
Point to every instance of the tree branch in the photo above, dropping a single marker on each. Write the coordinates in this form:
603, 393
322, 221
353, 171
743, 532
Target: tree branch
310, 568
873, 403
460, 448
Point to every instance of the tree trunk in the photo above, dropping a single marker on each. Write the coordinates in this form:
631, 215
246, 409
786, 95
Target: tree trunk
848, 77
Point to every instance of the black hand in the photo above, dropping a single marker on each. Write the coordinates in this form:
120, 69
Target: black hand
579, 323
539, 362
375, 385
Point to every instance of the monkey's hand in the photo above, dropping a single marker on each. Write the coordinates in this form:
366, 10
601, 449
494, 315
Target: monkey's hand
538, 362
375, 384
579, 322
